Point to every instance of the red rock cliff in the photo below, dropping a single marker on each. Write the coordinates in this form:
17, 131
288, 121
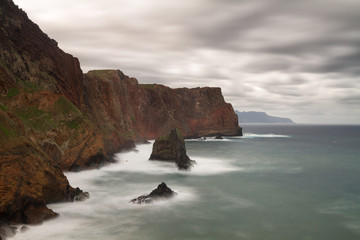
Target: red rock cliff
41, 130
122, 106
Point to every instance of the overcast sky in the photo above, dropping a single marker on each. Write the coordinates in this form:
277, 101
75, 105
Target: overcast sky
297, 59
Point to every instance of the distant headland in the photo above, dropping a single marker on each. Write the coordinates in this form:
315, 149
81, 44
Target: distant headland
260, 117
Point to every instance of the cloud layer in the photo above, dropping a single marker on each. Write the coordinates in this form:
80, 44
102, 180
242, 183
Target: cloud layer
297, 59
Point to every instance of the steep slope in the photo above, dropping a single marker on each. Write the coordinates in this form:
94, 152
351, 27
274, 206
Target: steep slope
41, 131
39, 89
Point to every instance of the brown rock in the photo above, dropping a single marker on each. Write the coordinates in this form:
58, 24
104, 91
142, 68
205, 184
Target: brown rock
172, 148
146, 111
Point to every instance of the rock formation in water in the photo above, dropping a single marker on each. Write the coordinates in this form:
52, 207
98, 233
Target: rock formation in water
55, 118
172, 148
160, 193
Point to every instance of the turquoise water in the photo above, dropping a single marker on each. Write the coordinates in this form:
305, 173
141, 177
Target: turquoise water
276, 182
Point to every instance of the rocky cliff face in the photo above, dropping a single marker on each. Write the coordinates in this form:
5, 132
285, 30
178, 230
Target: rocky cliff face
41, 130
147, 111
53, 117
39, 85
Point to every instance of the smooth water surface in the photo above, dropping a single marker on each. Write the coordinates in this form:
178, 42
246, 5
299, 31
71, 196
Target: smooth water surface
276, 182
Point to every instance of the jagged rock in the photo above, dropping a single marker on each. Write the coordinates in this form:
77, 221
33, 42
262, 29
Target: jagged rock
80, 195
172, 148
161, 192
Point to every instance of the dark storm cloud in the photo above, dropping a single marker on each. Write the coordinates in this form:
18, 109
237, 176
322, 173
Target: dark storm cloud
298, 58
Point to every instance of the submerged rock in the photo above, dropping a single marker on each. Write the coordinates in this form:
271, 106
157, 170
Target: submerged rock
7, 231
145, 142
24, 229
161, 192
79, 195
172, 148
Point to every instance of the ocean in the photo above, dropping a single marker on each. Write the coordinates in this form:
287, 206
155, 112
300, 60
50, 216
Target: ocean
277, 182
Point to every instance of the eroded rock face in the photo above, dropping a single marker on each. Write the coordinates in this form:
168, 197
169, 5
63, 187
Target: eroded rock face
147, 111
160, 193
28, 181
41, 130
172, 148
40, 93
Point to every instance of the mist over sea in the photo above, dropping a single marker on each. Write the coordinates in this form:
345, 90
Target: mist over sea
277, 182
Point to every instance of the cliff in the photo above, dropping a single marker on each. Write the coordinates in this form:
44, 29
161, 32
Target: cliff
41, 130
55, 118
122, 106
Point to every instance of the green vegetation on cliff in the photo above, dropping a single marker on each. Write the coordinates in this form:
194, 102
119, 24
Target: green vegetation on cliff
6, 132
12, 92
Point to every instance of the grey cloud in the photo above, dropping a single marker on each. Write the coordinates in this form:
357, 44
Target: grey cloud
352, 100
346, 64
279, 56
268, 64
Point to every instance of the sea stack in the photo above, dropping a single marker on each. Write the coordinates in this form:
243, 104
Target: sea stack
161, 192
172, 148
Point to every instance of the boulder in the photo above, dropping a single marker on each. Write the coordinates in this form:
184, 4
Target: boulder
160, 193
79, 195
219, 137
172, 148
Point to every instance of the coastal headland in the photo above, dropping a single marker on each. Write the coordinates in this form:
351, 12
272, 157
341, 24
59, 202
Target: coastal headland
55, 118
